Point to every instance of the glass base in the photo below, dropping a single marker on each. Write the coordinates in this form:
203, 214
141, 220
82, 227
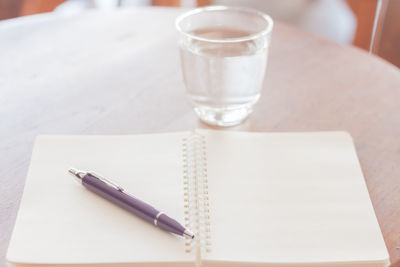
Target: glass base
223, 117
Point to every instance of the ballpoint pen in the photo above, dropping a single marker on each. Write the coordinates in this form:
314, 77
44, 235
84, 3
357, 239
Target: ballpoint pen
118, 196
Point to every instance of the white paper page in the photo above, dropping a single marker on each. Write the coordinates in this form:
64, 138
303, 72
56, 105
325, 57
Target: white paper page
289, 198
60, 221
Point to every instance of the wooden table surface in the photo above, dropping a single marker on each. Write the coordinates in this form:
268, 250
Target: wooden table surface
118, 72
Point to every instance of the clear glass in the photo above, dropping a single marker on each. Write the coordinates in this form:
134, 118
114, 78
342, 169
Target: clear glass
224, 54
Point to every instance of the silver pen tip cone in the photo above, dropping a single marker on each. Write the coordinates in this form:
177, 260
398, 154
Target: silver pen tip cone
188, 233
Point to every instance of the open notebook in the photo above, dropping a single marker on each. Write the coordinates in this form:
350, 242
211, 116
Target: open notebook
253, 199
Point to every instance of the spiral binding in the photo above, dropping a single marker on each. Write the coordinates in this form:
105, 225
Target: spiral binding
197, 209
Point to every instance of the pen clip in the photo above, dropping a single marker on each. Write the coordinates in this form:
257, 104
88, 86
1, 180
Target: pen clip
108, 182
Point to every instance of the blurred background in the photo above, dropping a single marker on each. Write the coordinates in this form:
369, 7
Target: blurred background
372, 25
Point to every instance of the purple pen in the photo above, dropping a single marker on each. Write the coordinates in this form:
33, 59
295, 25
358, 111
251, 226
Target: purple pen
118, 196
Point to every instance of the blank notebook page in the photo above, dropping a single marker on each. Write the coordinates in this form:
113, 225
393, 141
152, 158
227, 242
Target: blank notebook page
289, 198
60, 221
274, 198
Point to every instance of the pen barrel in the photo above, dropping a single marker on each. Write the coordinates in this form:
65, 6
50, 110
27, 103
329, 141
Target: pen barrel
168, 224
132, 204
128, 202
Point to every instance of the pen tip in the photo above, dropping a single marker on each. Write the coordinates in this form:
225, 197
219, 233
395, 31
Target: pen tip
188, 233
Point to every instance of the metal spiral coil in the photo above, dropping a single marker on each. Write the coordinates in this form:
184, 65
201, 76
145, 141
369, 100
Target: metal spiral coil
195, 184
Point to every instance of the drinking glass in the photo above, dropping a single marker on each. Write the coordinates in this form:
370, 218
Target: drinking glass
224, 54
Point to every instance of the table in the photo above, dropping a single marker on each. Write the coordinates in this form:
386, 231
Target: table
118, 72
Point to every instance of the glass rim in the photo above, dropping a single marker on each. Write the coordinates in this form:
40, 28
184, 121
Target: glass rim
249, 37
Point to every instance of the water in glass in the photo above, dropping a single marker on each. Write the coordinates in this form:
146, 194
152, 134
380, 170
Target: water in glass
223, 80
